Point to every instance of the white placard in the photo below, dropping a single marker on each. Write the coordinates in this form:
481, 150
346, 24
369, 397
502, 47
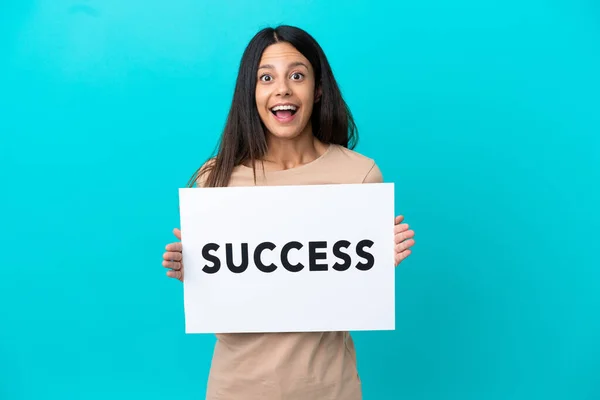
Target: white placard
325, 258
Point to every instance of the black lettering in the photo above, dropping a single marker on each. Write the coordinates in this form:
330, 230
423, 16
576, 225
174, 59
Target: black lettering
258, 261
211, 257
365, 266
237, 269
313, 256
284, 257
340, 254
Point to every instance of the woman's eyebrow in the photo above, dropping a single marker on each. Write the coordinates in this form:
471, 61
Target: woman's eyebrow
298, 64
292, 65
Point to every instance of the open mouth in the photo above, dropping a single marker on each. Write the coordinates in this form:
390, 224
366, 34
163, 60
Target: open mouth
284, 112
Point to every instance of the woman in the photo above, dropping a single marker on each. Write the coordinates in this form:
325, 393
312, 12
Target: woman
288, 125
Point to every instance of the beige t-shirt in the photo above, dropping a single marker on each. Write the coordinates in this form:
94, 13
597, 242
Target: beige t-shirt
292, 366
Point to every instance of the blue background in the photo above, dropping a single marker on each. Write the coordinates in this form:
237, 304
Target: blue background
485, 114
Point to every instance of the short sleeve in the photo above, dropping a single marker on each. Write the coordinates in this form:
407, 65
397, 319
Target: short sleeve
374, 175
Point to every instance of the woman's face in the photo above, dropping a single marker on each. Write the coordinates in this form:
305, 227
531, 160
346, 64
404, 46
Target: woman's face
285, 91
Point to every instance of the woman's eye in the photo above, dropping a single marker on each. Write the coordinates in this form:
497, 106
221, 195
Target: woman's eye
297, 76
265, 78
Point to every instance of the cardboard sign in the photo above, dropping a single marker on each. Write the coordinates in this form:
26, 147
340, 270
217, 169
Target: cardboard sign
288, 258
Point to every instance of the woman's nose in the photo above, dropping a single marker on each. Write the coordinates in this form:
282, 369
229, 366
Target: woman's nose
283, 89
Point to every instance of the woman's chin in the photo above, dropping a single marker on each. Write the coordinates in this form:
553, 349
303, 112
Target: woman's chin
285, 133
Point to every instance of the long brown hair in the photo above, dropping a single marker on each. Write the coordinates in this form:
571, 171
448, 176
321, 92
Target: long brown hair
243, 138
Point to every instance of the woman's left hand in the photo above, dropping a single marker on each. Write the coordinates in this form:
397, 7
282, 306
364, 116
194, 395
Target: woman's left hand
403, 238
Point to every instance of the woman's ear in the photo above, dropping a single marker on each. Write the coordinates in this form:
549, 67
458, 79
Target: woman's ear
318, 93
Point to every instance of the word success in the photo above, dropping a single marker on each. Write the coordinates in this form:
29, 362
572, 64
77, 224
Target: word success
316, 252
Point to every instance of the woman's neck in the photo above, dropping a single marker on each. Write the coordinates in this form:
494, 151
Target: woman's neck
292, 153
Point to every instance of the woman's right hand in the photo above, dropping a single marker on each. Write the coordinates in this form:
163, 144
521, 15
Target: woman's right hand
172, 258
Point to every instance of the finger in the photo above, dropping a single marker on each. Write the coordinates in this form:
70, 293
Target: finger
400, 228
172, 256
399, 219
175, 274
172, 265
177, 233
402, 256
400, 237
174, 247
407, 244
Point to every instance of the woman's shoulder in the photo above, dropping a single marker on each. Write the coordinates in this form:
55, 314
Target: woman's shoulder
350, 161
351, 156
201, 176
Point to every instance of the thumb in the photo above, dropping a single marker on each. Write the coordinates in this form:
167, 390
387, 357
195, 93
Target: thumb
177, 233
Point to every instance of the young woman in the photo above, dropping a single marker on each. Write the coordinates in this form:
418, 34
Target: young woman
288, 125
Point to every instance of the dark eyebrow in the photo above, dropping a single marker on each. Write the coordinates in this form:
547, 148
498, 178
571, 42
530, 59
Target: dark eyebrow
292, 65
